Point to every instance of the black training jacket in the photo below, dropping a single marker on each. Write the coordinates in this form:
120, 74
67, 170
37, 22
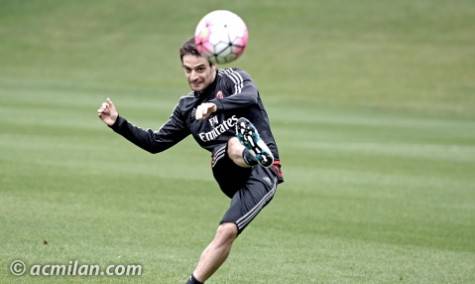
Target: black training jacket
234, 94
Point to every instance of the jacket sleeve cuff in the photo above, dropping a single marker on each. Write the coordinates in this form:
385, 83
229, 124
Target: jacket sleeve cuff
118, 123
218, 103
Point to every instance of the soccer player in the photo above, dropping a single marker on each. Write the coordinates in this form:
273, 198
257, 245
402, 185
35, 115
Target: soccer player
225, 115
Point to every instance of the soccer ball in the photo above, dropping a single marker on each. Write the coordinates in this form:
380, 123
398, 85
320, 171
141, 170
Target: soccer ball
221, 36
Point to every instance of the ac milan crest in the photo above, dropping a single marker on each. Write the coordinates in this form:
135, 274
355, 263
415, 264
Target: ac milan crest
219, 95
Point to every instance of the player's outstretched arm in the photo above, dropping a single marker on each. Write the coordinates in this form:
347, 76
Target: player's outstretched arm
107, 112
172, 132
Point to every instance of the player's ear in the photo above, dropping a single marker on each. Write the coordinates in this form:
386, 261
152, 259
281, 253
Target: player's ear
213, 66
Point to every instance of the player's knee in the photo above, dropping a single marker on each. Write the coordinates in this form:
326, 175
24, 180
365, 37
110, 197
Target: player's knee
235, 149
226, 233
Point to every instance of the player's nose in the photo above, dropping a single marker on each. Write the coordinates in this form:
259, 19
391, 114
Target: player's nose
193, 76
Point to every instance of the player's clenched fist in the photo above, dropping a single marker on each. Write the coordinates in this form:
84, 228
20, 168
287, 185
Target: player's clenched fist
107, 112
204, 110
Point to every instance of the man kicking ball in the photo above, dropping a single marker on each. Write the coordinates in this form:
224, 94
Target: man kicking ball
225, 115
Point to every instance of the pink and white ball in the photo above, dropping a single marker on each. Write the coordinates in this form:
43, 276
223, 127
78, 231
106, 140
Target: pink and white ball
221, 36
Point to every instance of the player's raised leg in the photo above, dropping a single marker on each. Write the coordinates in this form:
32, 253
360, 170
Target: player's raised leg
239, 154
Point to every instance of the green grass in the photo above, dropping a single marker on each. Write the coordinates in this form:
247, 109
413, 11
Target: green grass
371, 103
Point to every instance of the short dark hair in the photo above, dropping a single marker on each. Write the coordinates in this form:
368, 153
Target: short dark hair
189, 48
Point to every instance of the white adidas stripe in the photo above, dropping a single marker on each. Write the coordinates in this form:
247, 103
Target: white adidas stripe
216, 159
244, 220
241, 81
220, 150
218, 155
228, 74
236, 78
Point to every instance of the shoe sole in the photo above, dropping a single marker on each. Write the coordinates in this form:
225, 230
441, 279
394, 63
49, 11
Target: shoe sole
250, 138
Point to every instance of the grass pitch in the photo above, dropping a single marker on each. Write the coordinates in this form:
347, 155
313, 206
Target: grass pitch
371, 104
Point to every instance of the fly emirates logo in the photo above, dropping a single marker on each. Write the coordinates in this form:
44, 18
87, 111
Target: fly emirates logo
219, 129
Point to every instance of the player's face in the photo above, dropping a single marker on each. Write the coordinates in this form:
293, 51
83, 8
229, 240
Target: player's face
198, 71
